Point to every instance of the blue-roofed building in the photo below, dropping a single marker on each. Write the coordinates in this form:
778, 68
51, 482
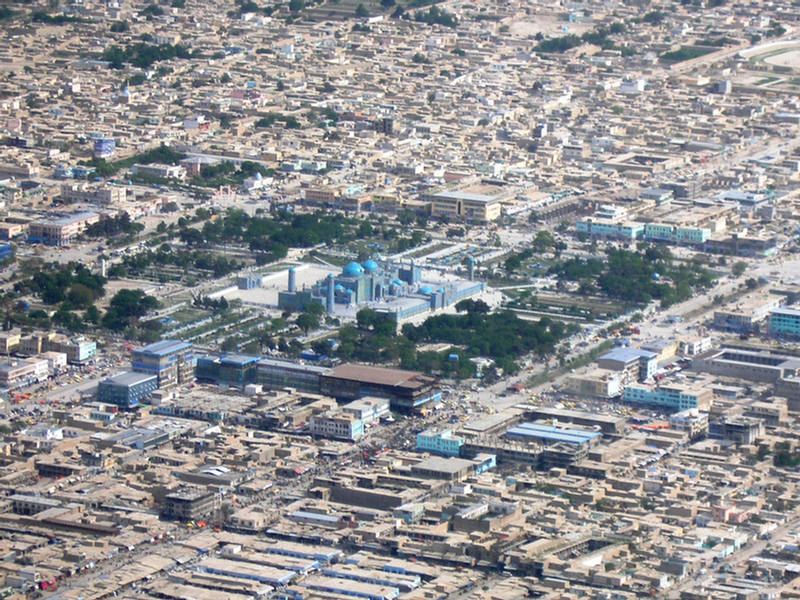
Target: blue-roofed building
171, 361
634, 363
551, 434
228, 369
346, 587
127, 390
323, 554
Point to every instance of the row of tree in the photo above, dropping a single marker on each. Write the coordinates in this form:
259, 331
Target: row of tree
637, 277
474, 332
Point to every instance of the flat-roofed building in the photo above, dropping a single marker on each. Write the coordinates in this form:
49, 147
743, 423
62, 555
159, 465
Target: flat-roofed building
228, 369
171, 361
190, 505
406, 390
24, 504
674, 396
748, 314
9, 341
346, 587
694, 345
479, 203
598, 227
248, 570
440, 442
127, 390
692, 422
634, 364
60, 231
665, 348
740, 430
552, 434
79, 350
605, 423
784, 322
368, 409
598, 383
337, 425
97, 194
449, 469
17, 373
163, 171
751, 365
279, 374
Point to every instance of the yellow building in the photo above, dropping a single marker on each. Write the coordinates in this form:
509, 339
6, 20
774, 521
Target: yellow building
479, 204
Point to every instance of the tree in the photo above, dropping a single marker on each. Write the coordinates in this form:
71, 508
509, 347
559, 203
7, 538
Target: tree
739, 268
366, 318
512, 263
751, 284
80, 296
543, 241
315, 309
361, 11
92, 315
127, 307
306, 322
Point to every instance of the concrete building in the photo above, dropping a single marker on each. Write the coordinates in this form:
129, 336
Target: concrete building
337, 425
278, 374
228, 369
163, 171
60, 231
466, 205
552, 434
597, 383
634, 364
190, 505
784, 322
449, 469
440, 442
691, 421
17, 373
694, 345
79, 350
406, 390
172, 362
676, 234
672, 396
95, 194
748, 314
369, 409
597, 227
740, 430
127, 390
750, 365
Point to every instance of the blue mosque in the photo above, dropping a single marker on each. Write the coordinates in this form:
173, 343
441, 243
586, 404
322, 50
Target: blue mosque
395, 289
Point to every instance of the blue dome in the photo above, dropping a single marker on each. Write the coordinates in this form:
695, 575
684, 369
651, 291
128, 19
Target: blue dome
339, 287
370, 266
426, 289
399, 282
353, 269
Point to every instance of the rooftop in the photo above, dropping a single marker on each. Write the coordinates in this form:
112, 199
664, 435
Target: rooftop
163, 348
627, 354
379, 375
129, 378
553, 433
